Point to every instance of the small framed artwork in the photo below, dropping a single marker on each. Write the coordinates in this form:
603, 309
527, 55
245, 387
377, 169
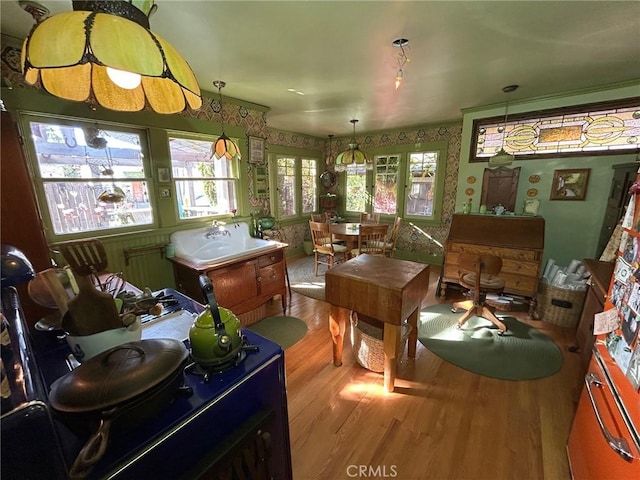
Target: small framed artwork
163, 175
531, 206
570, 184
256, 150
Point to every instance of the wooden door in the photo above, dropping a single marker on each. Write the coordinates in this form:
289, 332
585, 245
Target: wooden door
500, 187
20, 223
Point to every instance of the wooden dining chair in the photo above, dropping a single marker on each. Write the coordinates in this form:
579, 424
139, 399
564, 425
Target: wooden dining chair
319, 217
369, 217
326, 252
392, 238
371, 240
480, 275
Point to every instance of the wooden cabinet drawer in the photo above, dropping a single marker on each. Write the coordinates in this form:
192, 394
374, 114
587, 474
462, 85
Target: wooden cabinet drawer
269, 259
519, 268
504, 253
527, 286
271, 279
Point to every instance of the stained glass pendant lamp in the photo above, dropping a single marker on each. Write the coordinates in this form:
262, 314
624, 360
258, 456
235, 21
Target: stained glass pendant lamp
353, 155
105, 53
502, 158
224, 147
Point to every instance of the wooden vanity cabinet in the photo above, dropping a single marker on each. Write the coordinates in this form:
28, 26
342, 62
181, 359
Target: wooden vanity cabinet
518, 240
241, 285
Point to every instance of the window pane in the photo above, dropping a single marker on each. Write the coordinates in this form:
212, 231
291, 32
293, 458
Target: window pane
309, 185
205, 186
422, 174
357, 194
286, 186
203, 198
87, 176
386, 190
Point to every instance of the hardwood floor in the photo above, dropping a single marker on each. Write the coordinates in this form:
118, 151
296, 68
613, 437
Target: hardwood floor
442, 422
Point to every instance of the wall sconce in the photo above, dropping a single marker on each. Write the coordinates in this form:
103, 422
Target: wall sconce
105, 53
224, 147
353, 155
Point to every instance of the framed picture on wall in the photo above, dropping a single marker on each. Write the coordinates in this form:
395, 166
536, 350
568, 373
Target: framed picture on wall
256, 150
570, 184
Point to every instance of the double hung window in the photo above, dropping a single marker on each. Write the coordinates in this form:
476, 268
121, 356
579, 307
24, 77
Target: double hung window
205, 186
89, 177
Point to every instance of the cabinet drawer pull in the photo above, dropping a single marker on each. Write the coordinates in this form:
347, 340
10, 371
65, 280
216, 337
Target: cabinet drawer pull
259, 279
618, 445
272, 257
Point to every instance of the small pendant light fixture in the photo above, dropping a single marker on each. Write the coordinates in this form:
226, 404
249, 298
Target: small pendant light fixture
502, 158
105, 53
330, 160
224, 147
353, 155
402, 59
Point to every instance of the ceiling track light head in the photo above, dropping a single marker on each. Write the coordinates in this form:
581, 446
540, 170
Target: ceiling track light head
219, 84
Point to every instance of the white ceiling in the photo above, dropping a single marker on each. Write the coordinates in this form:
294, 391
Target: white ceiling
340, 54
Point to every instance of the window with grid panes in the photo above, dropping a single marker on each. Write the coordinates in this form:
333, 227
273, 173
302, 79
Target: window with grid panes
385, 198
286, 186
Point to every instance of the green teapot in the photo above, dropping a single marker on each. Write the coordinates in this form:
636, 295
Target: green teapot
215, 335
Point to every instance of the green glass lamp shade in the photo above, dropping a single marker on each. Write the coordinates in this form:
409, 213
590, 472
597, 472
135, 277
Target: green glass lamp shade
352, 156
73, 55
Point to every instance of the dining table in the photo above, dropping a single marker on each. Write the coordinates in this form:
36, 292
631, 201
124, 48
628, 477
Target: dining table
347, 232
387, 289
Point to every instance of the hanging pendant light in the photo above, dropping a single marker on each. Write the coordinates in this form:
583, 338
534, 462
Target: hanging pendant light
330, 160
353, 155
502, 158
104, 52
402, 59
224, 147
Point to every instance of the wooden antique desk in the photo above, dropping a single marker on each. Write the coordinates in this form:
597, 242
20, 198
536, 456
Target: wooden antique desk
387, 289
518, 240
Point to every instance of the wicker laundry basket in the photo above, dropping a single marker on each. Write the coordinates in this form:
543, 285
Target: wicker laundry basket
560, 306
367, 344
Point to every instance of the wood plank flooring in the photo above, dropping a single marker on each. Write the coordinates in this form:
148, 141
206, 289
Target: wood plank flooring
441, 422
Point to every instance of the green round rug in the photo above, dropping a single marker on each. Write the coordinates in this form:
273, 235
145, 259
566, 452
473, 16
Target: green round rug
285, 331
522, 353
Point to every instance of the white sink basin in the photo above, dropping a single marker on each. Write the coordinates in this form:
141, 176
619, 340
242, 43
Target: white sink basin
200, 247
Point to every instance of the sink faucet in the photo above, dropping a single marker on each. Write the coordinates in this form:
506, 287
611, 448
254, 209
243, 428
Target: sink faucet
217, 231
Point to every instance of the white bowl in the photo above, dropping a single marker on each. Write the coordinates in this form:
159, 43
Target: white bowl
84, 347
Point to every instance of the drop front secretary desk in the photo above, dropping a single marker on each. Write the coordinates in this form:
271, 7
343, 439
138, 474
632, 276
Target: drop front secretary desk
518, 240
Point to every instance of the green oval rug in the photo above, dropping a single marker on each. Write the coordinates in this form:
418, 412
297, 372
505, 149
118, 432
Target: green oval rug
522, 353
285, 331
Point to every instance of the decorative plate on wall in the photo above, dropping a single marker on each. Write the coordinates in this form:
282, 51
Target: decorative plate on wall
471, 179
469, 191
534, 178
532, 192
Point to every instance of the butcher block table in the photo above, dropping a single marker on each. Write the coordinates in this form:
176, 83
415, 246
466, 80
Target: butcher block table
387, 289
